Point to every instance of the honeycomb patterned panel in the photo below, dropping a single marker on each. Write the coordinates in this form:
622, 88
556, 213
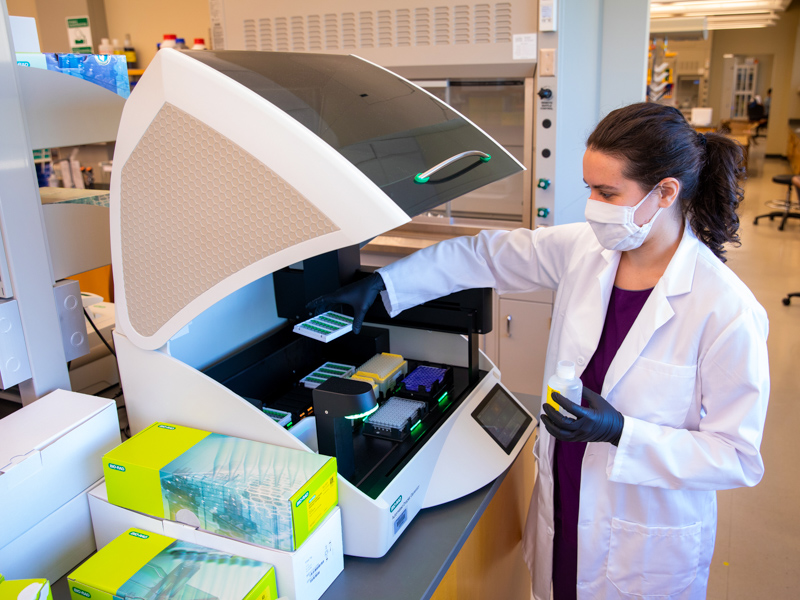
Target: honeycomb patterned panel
196, 208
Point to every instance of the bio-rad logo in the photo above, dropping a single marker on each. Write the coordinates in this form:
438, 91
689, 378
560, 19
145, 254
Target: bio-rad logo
170, 427
396, 503
23, 63
119, 468
300, 500
141, 536
81, 592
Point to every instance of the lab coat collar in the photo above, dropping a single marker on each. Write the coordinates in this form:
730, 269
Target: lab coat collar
677, 280
678, 277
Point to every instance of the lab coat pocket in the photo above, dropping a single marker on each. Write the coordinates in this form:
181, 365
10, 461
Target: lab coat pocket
652, 561
671, 391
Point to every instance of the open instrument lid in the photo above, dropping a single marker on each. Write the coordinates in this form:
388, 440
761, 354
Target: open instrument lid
231, 165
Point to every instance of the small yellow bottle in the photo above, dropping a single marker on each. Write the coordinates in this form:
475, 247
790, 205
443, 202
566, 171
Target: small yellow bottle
566, 383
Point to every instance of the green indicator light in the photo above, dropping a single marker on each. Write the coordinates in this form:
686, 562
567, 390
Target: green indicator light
289, 425
362, 415
417, 424
443, 397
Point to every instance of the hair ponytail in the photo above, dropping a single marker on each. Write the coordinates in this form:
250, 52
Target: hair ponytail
712, 209
655, 141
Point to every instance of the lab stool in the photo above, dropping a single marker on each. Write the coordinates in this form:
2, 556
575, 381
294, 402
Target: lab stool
786, 205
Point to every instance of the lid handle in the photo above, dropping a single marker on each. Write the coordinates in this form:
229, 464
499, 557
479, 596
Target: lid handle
424, 177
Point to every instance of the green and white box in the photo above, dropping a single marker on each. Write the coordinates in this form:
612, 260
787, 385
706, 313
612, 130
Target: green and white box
140, 564
258, 493
25, 589
304, 574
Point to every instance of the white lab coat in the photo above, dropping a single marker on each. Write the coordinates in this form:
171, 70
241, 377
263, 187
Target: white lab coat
691, 379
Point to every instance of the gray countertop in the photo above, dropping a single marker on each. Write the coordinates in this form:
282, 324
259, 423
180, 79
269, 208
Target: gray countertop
416, 564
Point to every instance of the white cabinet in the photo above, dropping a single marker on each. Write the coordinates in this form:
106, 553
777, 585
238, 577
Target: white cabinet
522, 328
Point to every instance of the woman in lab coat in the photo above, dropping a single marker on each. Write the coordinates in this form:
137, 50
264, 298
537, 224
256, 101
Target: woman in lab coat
670, 345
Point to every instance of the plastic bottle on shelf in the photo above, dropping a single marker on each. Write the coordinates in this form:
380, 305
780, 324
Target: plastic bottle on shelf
169, 41
130, 52
117, 47
565, 383
105, 47
199, 44
180, 44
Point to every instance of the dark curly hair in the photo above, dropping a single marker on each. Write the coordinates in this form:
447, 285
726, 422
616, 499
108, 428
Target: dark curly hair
655, 141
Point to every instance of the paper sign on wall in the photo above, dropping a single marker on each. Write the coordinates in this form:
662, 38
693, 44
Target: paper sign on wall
524, 46
80, 35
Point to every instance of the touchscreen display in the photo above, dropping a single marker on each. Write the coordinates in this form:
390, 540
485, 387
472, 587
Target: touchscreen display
502, 418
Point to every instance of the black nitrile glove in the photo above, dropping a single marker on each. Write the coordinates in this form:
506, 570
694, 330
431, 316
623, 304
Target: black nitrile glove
598, 422
360, 295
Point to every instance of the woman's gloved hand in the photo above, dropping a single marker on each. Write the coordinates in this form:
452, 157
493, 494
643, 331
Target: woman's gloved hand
360, 295
598, 422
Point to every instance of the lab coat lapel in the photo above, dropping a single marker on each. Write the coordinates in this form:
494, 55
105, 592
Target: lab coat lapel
657, 311
592, 309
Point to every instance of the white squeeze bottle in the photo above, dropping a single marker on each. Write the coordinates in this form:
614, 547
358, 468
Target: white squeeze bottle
565, 383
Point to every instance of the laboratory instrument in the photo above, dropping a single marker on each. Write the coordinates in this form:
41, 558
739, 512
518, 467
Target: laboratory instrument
216, 254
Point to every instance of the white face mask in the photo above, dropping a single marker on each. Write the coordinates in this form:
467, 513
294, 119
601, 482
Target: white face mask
614, 226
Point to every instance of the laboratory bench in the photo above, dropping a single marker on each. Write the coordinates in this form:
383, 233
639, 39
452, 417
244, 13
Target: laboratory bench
467, 548
740, 131
416, 564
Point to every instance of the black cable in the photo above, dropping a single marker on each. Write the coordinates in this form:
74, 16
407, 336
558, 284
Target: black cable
97, 331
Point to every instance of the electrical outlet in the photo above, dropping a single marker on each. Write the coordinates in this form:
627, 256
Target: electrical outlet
547, 62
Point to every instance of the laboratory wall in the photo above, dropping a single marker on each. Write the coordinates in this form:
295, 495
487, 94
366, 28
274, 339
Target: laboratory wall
601, 66
148, 20
145, 20
778, 41
51, 20
22, 8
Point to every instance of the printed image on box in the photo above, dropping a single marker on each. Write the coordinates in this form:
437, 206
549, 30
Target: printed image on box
108, 71
25, 589
140, 564
259, 493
